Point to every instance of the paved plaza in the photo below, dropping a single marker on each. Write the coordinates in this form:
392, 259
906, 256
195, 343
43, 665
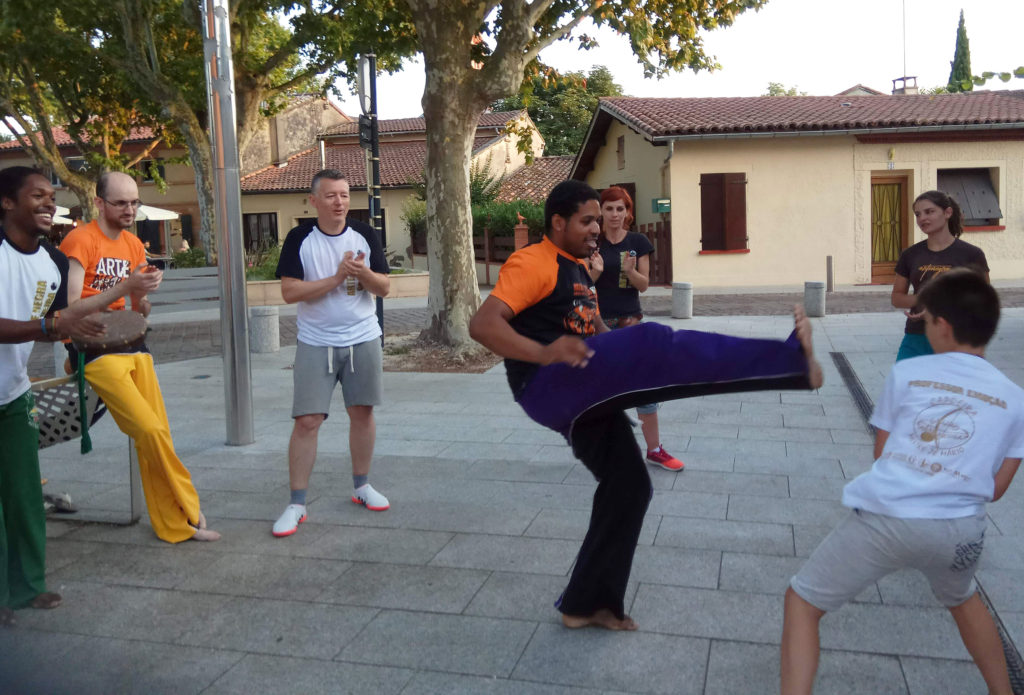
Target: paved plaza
451, 590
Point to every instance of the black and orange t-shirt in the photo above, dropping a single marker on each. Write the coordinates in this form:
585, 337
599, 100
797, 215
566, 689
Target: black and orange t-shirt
551, 294
919, 265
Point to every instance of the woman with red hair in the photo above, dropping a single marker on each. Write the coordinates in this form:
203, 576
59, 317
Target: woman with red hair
621, 270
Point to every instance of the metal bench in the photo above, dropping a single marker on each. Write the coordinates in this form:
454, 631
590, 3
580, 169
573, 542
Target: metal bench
57, 401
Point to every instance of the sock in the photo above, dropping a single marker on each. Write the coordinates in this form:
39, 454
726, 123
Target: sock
359, 480
299, 497
654, 450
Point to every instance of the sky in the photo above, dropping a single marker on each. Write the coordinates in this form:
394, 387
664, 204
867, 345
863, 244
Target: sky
821, 47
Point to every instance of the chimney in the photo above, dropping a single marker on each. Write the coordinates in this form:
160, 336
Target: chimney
905, 85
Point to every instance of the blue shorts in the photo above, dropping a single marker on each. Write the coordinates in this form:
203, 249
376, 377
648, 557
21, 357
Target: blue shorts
914, 345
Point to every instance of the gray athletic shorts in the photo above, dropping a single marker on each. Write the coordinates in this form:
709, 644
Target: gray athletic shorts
359, 368
865, 547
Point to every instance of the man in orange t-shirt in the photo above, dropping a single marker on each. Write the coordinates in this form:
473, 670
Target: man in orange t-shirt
101, 255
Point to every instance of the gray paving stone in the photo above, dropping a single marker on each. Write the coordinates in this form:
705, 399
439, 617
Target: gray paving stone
279, 627
838, 672
99, 666
725, 483
736, 447
454, 643
931, 676
784, 511
787, 434
791, 466
448, 684
676, 566
1002, 588
1013, 621
507, 554
572, 524
690, 504
708, 613
714, 534
846, 422
431, 589
642, 662
862, 452
860, 437
475, 450
33, 660
266, 576
900, 630
755, 417
399, 546
820, 488
151, 567
519, 596
1004, 551
721, 462
852, 467
123, 612
207, 480
265, 673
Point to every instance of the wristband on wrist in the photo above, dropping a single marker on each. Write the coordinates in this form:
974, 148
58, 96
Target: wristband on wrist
42, 325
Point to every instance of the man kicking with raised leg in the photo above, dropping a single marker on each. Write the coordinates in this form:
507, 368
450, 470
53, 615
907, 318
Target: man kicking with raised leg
569, 373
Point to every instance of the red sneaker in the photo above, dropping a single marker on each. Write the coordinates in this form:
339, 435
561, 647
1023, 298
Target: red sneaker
664, 459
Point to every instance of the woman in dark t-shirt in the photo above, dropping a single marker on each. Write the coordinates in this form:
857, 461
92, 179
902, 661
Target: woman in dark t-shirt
621, 271
939, 217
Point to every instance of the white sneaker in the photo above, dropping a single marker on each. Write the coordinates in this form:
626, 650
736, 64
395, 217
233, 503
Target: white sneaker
373, 500
294, 514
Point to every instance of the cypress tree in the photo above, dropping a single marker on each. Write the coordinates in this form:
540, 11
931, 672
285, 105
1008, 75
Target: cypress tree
960, 66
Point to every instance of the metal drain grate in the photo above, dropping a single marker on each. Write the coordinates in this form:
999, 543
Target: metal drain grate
1014, 662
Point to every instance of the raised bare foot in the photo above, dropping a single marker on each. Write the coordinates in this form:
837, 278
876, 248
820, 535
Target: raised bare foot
802, 326
203, 534
602, 618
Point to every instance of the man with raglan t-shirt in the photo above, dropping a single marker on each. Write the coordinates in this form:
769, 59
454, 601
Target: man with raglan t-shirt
333, 269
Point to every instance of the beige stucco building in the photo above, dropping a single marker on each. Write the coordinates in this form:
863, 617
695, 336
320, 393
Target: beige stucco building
761, 190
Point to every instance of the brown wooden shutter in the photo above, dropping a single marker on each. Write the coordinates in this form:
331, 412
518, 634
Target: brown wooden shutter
735, 212
712, 207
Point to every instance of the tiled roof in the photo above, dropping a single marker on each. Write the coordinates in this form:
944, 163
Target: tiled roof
680, 117
533, 182
495, 119
401, 163
62, 139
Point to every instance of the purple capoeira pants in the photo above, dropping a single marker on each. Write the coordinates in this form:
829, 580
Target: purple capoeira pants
642, 364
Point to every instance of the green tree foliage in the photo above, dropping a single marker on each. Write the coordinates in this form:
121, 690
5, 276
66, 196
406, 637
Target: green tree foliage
476, 52
43, 89
777, 89
960, 66
562, 105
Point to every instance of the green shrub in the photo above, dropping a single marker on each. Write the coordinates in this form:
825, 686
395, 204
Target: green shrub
261, 263
193, 258
501, 218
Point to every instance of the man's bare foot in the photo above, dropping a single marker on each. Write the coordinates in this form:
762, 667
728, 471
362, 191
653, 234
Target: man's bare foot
203, 534
202, 521
46, 600
602, 618
802, 326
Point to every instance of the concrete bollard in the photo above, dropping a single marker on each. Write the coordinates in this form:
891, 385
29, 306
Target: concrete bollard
264, 329
814, 298
682, 300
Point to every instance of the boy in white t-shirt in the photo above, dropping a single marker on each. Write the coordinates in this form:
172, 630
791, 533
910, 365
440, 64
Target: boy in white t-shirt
949, 438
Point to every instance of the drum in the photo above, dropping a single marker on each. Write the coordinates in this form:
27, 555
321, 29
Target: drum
125, 330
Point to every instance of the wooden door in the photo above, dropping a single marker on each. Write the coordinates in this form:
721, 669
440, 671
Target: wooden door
890, 232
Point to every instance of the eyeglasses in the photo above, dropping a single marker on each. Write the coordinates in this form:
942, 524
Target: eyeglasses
123, 204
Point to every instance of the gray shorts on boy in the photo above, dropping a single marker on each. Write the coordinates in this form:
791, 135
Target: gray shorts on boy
359, 368
865, 547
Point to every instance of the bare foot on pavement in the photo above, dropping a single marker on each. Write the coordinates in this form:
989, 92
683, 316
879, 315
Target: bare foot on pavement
602, 618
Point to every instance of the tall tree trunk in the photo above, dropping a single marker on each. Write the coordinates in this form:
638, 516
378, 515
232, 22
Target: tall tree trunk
201, 157
451, 108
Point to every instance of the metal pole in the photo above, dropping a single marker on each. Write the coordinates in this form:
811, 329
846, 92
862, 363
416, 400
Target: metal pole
376, 219
829, 277
228, 199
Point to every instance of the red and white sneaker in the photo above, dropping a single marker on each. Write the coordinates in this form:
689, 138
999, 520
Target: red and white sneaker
664, 459
370, 498
288, 523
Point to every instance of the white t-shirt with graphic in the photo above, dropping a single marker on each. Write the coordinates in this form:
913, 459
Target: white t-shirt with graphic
33, 284
952, 418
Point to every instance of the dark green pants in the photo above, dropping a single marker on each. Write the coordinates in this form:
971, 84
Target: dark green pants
22, 518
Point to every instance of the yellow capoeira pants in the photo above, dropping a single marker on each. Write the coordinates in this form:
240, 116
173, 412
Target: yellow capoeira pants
129, 387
